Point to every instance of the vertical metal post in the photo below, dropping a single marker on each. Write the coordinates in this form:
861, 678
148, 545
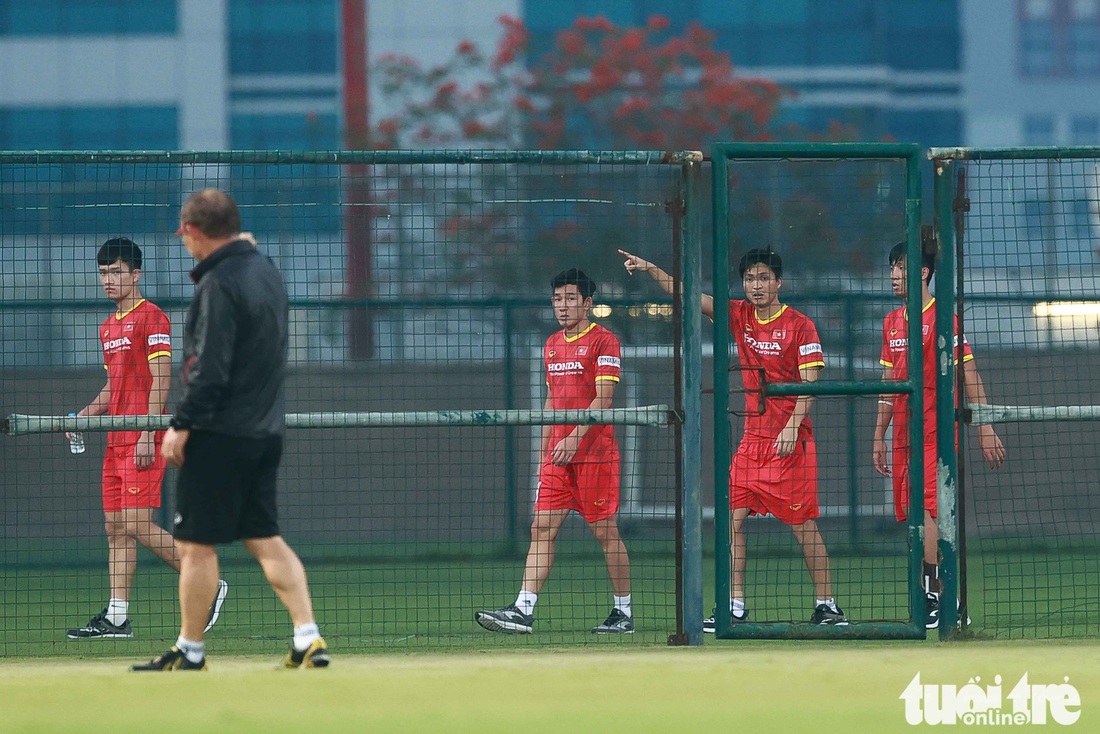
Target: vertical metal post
689, 406
721, 331
946, 490
914, 309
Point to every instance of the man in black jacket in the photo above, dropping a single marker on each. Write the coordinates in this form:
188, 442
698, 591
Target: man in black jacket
226, 436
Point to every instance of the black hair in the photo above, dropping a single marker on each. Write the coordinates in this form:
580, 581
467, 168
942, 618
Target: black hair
761, 256
119, 248
585, 285
927, 259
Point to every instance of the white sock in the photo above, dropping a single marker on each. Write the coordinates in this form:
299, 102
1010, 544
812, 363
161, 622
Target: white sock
525, 602
305, 635
193, 651
737, 607
622, 603
118, 611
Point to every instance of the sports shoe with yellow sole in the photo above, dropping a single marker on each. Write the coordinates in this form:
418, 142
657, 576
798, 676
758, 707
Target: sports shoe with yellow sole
314, 656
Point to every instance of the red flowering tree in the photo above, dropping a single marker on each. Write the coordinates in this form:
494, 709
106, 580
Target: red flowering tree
601, 85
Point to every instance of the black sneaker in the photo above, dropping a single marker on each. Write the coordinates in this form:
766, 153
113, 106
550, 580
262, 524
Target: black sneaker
931, 610
825, 615
616, 623
174, 659
509, 620
314, 656
99, 628
216, 607
709, 625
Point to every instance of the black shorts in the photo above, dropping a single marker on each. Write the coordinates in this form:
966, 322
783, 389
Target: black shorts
226, 488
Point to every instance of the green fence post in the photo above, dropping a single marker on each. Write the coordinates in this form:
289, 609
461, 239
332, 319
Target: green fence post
947, 459
721, 332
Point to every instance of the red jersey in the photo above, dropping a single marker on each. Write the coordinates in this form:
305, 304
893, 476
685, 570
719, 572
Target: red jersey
895, 343
574, 364
130, 340
782, 345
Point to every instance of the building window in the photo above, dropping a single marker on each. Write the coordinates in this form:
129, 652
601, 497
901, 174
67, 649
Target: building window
283, 37
1084, 130
89, 128
87, 17
1039, 130
1059, 38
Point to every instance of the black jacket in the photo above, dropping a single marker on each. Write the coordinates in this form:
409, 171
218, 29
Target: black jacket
235, 346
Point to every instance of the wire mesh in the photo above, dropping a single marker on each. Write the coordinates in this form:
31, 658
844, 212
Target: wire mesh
1029, 282
419, 284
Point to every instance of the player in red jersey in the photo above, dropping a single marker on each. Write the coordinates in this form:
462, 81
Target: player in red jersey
579, 464
775, 468
895, 409
137, 354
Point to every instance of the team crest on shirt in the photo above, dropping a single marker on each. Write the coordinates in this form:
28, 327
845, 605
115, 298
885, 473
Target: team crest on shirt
127, 327
779, 334
926, 329
552, 353
581, 351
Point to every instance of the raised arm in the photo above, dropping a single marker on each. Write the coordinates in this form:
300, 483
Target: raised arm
634, 264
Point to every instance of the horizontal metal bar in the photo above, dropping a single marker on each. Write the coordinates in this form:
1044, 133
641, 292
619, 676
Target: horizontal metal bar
837, 387
360, 157
987, 414
816, 150
650, 415
1045, 152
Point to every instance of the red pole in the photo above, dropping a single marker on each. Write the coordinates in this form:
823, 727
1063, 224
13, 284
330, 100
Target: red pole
357, 219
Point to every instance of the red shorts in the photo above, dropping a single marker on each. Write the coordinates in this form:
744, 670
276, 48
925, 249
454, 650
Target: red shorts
589, 487
124, 486
900, 474
784, 486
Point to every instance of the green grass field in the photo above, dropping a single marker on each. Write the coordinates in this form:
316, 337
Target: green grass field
408, 656
427, 604
723, 686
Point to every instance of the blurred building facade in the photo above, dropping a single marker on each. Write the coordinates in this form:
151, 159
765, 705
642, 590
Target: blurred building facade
1031, 72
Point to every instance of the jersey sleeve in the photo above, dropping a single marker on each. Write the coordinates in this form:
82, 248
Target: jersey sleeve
809, 346
965, 353
886, 359
158, 336
608, 358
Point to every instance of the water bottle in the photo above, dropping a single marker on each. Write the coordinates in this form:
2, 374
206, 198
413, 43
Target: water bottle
76, 441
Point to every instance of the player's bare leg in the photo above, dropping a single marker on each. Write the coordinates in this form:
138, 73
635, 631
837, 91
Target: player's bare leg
826, 611
621, 619
540, 555
817, 558
614, 551
738, 553
286, 574
121, 555
198, 586
138, 524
